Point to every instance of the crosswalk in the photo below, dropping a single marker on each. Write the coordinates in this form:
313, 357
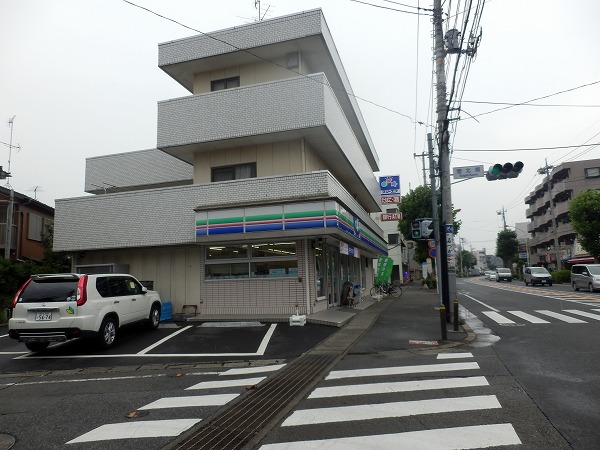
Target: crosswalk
342, 411
543, 316
235, 380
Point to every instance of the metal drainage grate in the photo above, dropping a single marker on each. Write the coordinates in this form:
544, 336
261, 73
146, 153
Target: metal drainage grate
235, 427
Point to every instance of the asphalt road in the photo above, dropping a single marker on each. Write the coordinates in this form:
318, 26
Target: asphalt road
549, 343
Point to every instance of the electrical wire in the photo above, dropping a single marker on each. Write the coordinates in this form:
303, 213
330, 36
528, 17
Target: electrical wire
393, 9
413, 120
523, 149
531, 104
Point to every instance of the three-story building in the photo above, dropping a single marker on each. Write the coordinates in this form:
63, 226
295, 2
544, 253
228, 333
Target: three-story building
257, 199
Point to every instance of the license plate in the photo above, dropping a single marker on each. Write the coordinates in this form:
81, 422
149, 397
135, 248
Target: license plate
43, 315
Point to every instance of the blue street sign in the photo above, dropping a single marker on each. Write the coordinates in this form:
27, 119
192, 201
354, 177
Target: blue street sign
449, 229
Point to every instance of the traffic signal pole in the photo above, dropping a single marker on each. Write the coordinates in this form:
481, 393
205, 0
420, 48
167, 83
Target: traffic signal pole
447, 262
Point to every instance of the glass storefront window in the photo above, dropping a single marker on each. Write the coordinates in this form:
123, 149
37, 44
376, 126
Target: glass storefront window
269, 260
279, 249
227, 252
273, 269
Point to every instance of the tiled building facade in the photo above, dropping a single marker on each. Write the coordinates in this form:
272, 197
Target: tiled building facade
258, 197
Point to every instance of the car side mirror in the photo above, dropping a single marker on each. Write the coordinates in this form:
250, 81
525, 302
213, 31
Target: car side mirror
144, 290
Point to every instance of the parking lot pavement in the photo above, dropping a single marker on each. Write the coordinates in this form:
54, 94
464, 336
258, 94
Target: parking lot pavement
171, 342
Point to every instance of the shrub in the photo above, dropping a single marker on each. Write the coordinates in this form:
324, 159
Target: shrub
562, 276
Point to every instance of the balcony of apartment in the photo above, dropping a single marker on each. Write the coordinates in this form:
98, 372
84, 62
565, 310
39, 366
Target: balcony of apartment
561, 208
295, 108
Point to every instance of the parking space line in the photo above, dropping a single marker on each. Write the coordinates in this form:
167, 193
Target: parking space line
263, 345
156, 344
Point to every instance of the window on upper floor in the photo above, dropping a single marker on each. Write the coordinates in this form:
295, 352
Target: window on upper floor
391, 210
225, 83
592, 172
36, 226
393, 238
236, 172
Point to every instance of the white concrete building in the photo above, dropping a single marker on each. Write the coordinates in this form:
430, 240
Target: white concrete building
257, 199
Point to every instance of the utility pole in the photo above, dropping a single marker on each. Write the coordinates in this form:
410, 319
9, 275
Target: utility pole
447, 260
11, 199
502, 213
422, 156
546, 170
436, 233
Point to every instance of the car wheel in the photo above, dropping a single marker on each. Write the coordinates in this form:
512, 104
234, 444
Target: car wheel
550, 283
591, 288
37, 346
154, 318
526, 283
575, 288
108, 332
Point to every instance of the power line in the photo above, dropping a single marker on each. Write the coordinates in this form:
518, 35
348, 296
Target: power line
393, 9
538, 98
522, 149
531, 104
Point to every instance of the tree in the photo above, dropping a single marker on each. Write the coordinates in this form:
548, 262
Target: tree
467, 260
584, 211
507, 246
415, 205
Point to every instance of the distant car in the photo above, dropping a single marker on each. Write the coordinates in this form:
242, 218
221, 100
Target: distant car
503, 274
492, 276
537, 275
59, 307
487, 274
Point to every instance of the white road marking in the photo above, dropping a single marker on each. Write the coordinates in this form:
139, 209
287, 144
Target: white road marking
386, 410
226, 383
583, 313
195, 400
247, 370
473, 437
480, 302
454, 355
400, 370
156, 344
144, 353
496, 317
401, 386
528, 317
137, 429
561, 316
263, 345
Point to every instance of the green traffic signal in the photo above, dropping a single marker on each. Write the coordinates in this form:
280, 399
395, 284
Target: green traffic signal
416, 229
502, 171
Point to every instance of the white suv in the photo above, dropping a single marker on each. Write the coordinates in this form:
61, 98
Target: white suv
59, 307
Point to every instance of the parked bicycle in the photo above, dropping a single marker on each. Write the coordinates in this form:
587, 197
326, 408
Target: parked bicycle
386, 289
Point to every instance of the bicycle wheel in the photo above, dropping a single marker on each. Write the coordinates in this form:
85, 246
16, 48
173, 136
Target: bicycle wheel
373, 291
395, 291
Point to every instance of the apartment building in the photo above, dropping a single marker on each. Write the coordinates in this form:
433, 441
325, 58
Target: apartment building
257, 199
548, 212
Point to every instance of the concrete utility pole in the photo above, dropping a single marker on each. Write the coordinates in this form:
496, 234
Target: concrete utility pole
546, 170
502, 213
11, 199
436, 234
447, 257
422, 156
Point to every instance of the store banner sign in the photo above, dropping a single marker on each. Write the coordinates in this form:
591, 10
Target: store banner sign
390, 185
385, 265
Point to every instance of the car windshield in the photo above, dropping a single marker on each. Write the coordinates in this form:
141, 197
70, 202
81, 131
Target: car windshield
503, 271
539, 270
594, 270
49, 291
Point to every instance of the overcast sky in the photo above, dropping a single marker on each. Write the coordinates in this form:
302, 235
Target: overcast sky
82, 79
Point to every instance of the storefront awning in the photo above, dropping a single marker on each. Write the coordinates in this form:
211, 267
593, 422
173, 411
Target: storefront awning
586, 260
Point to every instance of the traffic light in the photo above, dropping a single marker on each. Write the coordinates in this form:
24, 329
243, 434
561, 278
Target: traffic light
426, 231
500, 172
415, 229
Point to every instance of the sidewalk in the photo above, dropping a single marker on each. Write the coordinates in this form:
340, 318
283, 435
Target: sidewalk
415, 315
